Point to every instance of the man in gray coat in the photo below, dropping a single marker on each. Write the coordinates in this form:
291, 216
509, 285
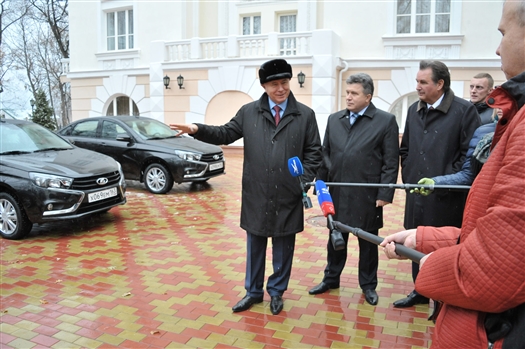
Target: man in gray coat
275, 128
435, 142
361, 145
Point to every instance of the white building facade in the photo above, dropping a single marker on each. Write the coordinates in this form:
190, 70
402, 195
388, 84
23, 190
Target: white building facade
121, 51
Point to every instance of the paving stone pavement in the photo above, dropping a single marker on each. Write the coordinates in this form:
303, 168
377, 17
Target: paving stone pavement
163, 271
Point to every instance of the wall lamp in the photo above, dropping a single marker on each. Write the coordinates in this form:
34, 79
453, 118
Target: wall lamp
166, 81
300, 78
180, 81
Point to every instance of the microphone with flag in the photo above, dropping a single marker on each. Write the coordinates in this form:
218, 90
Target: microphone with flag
327, 206
296, 170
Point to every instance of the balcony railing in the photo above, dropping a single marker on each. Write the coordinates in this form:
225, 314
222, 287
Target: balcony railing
242, 46
272, 44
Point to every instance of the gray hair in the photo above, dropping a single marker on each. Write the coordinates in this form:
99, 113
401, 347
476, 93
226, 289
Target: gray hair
365, 80
520, 14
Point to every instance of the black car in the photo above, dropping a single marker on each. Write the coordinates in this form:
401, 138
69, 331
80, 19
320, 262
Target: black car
148, 150
43, 178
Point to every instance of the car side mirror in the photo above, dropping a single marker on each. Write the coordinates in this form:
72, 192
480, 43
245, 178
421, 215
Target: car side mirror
124, 137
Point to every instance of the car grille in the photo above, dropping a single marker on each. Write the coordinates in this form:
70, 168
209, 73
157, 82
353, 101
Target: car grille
90, 183
209, 157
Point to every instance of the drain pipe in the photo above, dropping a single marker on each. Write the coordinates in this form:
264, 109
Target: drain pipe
339, 85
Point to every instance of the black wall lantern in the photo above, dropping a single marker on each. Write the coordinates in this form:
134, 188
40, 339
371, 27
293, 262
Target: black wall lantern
166, 81
180, 81
300, 78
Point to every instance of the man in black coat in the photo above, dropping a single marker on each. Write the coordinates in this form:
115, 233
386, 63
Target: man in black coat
361, 145
275, 128
437, 133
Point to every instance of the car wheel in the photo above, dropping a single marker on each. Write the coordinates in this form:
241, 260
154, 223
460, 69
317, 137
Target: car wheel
14, 223
158, 179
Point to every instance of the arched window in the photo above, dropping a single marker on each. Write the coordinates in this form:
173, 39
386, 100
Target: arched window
122, 105
400, 107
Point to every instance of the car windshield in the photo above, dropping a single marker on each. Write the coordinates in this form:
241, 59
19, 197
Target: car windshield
28, 138
151, 129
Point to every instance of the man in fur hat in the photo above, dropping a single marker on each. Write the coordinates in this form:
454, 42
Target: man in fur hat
275, 128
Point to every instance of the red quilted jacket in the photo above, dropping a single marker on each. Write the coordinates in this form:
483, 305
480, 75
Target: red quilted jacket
485, 272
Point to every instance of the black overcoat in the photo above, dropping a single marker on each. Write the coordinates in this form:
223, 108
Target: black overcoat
271, 196
367, 152
435, 143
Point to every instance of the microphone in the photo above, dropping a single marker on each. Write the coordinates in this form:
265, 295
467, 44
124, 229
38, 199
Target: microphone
327, 206
296, 170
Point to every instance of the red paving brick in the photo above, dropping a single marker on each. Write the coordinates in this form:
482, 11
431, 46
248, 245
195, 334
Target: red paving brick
165, 270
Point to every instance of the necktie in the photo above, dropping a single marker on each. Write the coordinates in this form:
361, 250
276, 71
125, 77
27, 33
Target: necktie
277, 114
353, 117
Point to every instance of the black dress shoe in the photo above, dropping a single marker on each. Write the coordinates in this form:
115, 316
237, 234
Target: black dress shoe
412, 299
322, 288
276, 305
246, 303
371, 296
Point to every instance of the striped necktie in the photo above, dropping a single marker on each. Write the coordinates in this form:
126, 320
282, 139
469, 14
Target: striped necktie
277, 114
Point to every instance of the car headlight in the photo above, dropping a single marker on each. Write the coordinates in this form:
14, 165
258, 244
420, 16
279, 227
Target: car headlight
186, 155
50, 181
120, 169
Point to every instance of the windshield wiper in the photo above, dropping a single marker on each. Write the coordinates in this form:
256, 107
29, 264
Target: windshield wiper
50, 149
13, 152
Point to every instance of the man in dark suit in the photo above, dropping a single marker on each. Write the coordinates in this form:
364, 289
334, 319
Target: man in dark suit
438, 130
361, 144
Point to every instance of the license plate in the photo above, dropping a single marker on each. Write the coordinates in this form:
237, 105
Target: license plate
103, 194
216, 166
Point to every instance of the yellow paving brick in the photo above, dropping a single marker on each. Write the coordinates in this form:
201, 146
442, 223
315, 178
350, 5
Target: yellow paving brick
218, 338
63, 345
69, 303
248, 344
287, 336
279, 327
210, 320
132, 336
129, 326
66, 336
106, 338
35, 309
64, 326
88, 343
24, 333
241, 334
22, 344
69, 318
87, 315
201, 343
27, 325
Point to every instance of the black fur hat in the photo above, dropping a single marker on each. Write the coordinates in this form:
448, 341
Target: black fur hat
274, 70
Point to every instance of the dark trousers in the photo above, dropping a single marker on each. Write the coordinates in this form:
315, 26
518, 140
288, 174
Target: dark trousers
282, 256
368, 262
415, 271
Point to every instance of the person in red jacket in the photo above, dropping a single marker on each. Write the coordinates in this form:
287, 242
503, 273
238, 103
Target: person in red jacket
481, 279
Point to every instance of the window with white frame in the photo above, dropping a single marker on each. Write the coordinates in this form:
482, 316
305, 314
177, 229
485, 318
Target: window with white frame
251, 25
119, 30
423, 16
122, 105
400, 108
287, 24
